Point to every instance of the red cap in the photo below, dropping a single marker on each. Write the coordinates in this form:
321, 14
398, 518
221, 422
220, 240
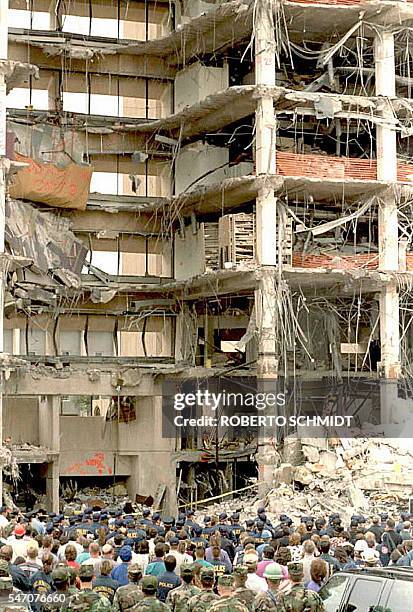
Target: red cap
19, 530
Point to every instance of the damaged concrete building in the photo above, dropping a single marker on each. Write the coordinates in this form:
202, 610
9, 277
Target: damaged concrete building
197, 189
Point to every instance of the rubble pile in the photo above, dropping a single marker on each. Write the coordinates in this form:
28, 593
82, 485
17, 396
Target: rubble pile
76, 499
345, 475
317, 476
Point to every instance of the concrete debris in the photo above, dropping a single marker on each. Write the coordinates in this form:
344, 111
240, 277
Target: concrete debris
46, 240
351, 476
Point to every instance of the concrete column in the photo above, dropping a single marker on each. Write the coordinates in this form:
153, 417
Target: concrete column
52, 486
266, 228
49, 436
4, 8
388, 227
49, 422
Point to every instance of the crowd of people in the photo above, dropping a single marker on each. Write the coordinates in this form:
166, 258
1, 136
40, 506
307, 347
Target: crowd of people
127, 561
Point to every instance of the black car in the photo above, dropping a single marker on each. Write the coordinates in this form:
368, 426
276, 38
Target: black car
385, 589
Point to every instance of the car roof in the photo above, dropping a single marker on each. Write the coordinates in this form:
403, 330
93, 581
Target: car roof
406, 573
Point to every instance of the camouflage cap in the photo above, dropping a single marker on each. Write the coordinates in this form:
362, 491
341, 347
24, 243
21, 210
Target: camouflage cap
187, 569
295, 569
241, 570
4, 567
86, 571
207, 573
149, 583
226, 580
134, 568
60, 574
6, 583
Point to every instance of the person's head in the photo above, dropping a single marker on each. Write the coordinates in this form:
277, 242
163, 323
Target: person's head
134, 573
32, 552
318, 570
240, 575
308, 547
340, 554
94, 549
149, 586
324, 546
47, 560
390, 524
273, 574
251, 562
170, 563
106, 567
376, 520
19, 531
186, 571
407, 525
6, 553
269, 552
295, 572
225, 585
200, 552
4, 569
369, 557
295, 539
283, 556
48, 542
143, 547
70, 552
207, 577
86, 573
60, 578
160, 550
107, 551
216, 552
125, 554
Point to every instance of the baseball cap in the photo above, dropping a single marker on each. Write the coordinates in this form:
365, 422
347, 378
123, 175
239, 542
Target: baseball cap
19, 530
207, 573
295, 569
86, 570
240, 570
187, 569
225, 580
125, 553
134, 568
60, 574
149, 583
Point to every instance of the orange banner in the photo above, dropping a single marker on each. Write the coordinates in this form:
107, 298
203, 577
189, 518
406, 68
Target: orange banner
66, 187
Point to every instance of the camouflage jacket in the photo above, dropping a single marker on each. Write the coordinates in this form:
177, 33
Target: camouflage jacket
150, 604
11, 598
266, 601
245, 596
228, 604
178, 598
87, 601
202, 601
126, 597
300, 599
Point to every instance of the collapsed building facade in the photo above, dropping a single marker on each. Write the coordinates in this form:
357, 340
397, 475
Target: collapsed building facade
198, 189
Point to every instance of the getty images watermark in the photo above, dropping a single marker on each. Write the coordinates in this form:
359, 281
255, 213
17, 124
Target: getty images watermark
243, 407
217, 402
